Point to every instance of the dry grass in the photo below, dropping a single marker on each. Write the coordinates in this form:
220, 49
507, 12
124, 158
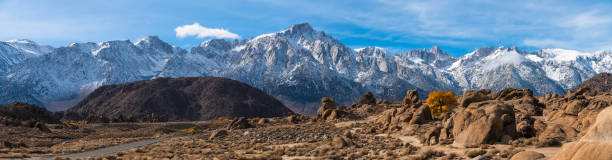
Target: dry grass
222, 120
192, 129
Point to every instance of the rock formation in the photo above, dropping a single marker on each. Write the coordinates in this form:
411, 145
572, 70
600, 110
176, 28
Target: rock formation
328, 110
471, 96
367, 98
239, 123
599, 83
527, 155
595, 144
412, 97
485, 122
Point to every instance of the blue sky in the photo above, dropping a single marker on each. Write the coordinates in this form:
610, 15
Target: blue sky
458, 27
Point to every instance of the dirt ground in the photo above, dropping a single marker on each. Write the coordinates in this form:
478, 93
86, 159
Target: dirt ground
74, 137
272, 138
356, 134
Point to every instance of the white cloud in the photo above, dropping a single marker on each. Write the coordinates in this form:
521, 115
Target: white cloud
200, 31
588, 20
545, 43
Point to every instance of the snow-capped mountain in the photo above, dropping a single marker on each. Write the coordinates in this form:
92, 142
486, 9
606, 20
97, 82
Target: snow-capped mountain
15, 51
298, 66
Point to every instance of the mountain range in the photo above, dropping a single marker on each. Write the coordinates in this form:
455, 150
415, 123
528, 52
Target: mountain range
298, 66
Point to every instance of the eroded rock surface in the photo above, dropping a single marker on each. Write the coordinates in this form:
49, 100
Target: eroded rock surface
595, 144
483, 123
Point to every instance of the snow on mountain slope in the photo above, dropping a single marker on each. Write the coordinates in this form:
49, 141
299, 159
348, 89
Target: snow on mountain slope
30, 47
298, 66
15, 51
545, 71
67, 74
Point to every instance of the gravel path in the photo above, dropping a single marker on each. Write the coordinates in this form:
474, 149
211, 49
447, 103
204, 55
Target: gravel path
107, 150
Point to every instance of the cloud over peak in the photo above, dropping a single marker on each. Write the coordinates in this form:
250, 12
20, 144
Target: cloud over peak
200, 31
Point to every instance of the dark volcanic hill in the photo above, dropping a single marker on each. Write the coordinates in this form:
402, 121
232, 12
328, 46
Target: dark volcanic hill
601, 83
178, 99
26, 112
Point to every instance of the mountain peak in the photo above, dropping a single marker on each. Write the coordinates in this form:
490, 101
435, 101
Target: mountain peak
153, 39
300, 28
154, 44
217, 43
372, 51
30, 46
21, 41
435, 50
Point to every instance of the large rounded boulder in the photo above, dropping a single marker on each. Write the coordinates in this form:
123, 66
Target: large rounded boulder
485, 122
595, 144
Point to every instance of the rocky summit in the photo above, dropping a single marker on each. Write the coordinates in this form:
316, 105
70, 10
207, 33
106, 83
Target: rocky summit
177, 99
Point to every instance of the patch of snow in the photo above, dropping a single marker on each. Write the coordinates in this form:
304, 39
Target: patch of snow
102, 46
534, 58
416, 60
359, 49
502, 57
238, 48
456, 64
564, 54
264, 36
30, 47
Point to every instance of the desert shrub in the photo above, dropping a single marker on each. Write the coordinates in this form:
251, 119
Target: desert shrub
441, 102
222, 120
191, 130
72, 124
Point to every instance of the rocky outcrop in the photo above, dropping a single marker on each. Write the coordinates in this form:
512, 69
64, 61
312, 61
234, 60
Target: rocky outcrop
472, 96
326, 104
340, 142
432, 136
220, 133
403, 117
367, 98
527, 105
412, 97
599, 83
395, 118
570, 115
485, 122
511, 93
328, 110
525, 126
555, 134
421, 115
239, 123
595, 144
178, 99
527, 155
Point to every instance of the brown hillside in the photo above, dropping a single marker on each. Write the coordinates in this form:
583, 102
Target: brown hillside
26, 112
601, 83
180, 99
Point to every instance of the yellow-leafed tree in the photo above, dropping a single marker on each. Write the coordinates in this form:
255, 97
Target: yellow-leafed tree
441, 102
